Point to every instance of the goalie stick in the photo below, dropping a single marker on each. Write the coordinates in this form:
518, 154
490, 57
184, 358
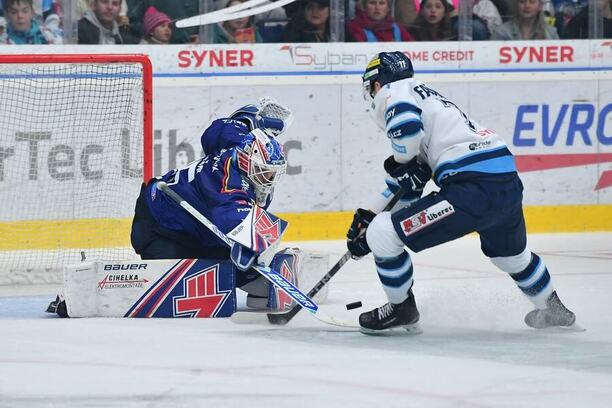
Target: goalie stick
284, 318
273, 276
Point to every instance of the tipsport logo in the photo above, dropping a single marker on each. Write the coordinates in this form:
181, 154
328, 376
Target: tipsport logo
303, 55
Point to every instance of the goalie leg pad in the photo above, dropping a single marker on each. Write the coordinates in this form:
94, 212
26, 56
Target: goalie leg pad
156, 288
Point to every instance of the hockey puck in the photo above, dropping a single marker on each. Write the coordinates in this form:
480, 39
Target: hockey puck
353, 305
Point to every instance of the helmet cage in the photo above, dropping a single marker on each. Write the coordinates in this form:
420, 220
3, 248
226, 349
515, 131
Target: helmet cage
262, 162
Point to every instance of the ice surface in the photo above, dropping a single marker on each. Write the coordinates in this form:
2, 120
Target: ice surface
475, 350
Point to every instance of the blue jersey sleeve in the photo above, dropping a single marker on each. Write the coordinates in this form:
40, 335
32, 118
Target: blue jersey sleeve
215, 187
223, 134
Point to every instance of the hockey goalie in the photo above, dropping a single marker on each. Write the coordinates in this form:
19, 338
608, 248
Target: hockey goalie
186, 270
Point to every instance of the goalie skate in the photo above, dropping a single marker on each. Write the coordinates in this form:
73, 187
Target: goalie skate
392, 318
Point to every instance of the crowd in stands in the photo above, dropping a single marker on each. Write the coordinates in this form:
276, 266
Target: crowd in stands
302, 21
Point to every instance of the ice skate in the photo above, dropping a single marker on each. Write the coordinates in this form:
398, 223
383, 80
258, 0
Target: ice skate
555, 315
392, 318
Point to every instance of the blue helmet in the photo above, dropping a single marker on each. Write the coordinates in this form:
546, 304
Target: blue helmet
384, 68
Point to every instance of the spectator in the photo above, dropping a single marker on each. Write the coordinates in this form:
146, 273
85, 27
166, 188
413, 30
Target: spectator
487, 11
578, 27
373, 23
99, 25
23, 28
434, 22
175, 9
156, 27
310, 23
406, 11
527, 23
3, 36
240, 30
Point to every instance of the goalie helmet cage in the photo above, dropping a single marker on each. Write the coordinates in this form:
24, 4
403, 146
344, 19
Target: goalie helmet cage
75, 146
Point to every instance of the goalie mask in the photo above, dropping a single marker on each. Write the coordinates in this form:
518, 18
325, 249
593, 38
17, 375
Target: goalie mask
266, 114
384, 68
262, 161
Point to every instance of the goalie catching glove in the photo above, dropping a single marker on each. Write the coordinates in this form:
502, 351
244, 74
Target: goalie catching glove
356, 236
411, 176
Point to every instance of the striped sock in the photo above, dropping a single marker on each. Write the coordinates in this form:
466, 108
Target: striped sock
534, 281
395, 274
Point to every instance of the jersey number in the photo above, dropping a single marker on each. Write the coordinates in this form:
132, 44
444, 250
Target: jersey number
448, 103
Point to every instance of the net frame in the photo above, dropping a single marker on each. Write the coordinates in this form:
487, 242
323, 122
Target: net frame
145, 65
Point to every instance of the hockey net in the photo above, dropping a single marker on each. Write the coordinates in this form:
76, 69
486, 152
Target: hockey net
75, 146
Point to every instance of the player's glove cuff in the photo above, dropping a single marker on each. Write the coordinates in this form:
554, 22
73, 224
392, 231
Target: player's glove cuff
411, 176
356, 235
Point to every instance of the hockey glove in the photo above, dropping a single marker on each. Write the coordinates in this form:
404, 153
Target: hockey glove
356, 235
243, 257
411, 176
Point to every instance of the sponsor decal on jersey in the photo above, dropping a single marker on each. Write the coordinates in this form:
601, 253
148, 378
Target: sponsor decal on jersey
120, 281
480, 145
398, 148
427, 217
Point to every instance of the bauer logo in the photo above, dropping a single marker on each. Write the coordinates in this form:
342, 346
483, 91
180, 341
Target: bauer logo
125, 267
426, 217
121, 281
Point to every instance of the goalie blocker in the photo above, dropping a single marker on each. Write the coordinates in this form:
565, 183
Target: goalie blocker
177, 288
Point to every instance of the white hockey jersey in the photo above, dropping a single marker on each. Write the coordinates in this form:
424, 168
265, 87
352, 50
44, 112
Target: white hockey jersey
420, 121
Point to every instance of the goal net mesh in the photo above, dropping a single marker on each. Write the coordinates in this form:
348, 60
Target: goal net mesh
71, 164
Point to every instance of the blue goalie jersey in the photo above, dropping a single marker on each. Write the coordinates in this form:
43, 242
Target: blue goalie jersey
214, 186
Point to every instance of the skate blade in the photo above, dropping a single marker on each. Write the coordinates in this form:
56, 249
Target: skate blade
574, 328
408, 329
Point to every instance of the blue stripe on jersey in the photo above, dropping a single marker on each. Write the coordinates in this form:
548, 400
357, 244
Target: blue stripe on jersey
397, 109
494, 161
398, 148
408, 128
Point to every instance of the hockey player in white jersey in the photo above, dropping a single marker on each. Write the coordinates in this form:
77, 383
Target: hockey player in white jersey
480, 191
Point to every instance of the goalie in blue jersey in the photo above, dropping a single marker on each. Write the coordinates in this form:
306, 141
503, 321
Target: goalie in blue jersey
232, 186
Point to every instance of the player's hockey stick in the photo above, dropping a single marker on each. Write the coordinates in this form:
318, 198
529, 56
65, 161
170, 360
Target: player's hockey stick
273, 276
284, 318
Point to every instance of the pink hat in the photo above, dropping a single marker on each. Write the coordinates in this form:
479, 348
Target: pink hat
153, 18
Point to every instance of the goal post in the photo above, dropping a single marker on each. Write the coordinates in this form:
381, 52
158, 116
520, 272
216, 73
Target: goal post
75, 145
